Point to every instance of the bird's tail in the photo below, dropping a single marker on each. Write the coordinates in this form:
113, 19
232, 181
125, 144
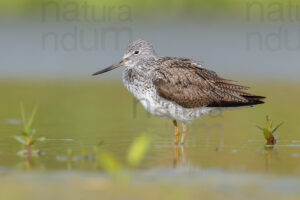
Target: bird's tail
250, 100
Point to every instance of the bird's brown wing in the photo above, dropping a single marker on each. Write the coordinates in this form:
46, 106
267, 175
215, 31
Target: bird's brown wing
186, 83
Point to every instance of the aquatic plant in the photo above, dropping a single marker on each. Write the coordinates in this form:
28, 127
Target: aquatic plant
269, 131
138, 149
27, 138
108, 161
135, 155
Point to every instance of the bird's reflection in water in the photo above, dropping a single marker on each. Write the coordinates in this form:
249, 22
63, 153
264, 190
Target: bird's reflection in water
179, 156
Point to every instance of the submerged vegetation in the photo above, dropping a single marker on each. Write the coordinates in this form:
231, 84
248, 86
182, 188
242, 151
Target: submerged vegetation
135, 155
107, 161
269, 131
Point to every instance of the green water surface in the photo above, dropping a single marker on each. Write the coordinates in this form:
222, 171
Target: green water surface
76, 115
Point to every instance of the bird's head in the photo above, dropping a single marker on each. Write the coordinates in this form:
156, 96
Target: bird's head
135, 51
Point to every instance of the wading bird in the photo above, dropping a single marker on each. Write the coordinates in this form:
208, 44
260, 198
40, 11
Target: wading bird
178, 88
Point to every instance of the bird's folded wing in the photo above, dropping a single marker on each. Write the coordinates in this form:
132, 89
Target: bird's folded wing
190, 86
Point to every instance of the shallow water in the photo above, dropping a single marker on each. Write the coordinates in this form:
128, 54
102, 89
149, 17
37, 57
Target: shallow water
79, 114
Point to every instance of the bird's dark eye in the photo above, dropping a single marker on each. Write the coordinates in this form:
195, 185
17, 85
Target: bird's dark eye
136, 52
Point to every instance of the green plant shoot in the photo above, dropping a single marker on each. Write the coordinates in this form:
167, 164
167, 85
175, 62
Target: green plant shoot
269, 131
27, 137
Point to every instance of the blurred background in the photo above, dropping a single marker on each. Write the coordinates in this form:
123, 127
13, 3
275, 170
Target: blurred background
50, 48
258, 39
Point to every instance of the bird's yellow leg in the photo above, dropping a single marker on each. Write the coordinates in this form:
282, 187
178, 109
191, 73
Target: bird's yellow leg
176, 132
184, 131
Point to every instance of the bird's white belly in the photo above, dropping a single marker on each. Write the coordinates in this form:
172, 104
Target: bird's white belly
161, 107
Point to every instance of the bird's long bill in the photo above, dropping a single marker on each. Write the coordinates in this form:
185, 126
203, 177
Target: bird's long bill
121, 63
